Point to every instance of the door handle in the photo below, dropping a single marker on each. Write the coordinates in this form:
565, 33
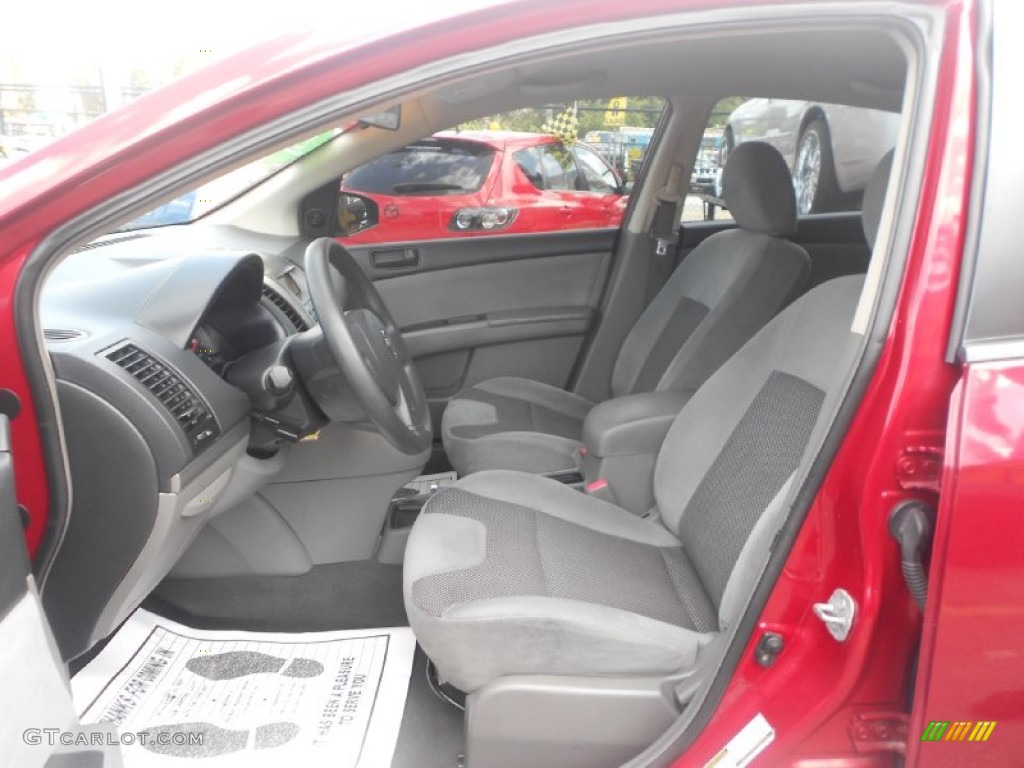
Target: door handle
395, 258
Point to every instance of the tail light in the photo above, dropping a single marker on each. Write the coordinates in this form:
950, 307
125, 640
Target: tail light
482, 219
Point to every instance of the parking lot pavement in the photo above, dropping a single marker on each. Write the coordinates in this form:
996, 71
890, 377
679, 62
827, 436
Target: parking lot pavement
694, 210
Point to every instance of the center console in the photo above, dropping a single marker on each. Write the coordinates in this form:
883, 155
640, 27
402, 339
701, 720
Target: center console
621, 441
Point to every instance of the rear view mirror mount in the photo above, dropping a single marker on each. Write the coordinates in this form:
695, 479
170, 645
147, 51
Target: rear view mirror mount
388, 120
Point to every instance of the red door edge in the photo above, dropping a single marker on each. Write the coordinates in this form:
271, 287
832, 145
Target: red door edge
30, 480
819, 691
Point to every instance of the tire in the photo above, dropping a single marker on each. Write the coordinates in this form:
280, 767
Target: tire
814, 170
728, 143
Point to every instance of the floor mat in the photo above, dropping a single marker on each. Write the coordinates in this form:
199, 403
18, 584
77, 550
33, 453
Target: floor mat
254, 699
336, 596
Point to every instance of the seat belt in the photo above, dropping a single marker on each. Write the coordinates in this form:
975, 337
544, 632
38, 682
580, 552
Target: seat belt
665, 231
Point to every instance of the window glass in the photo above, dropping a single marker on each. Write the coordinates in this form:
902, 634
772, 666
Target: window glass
437, 167
529, 163
597, 174
830, 150
543, 168
558, 167
195, 203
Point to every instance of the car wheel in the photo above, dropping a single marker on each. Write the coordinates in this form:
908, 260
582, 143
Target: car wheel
728, 142
814, 172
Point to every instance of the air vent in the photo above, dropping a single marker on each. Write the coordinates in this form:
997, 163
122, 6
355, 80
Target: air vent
286, 307
167, 385
63, 334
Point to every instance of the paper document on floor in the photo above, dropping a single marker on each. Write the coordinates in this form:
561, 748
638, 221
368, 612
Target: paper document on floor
249, 699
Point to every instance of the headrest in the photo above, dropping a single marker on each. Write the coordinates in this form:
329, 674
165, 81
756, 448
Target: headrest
758, 189
874, 197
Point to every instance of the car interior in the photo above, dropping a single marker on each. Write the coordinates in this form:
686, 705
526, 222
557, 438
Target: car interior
560, 457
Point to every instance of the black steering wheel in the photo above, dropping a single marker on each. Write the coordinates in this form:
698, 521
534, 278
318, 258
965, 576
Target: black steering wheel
368, 346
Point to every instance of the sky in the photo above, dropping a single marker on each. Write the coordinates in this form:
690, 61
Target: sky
51, 39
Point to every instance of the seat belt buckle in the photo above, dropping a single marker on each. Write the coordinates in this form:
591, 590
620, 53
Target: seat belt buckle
661, 246
600, 489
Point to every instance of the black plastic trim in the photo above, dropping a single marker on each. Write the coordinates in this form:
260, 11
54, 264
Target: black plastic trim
284, 306
497, 328
173, 391
14, 564
986, 315
456, 252
115, 506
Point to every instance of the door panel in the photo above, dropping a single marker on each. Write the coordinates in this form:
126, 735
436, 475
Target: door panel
505, 305
428, 298
452, 253
32, 678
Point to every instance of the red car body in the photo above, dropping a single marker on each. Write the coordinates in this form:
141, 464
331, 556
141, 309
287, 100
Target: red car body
927, 426
525, 205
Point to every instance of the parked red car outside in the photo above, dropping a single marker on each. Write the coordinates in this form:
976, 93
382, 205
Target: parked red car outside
471, 182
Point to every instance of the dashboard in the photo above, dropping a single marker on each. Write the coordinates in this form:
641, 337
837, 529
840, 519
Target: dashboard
147, 336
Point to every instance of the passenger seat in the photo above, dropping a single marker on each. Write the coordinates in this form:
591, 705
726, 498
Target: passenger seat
729, 287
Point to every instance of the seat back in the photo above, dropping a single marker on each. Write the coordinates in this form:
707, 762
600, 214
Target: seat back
722, 476
727, 289
733, 448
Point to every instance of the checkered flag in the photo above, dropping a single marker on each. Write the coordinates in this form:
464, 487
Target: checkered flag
564, 126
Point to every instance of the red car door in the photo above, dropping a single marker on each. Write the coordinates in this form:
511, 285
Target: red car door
969, 702
603, 202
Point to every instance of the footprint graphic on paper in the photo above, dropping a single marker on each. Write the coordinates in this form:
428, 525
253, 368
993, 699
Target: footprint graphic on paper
235, 664
215, 740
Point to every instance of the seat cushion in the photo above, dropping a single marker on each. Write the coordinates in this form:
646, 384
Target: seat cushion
511, 423
510, 573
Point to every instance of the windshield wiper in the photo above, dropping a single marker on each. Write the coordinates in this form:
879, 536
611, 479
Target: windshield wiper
425, 186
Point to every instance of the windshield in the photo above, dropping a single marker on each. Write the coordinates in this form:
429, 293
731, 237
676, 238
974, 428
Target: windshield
197, 202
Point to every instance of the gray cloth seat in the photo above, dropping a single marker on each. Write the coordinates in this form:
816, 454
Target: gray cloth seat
714, 301
512, 573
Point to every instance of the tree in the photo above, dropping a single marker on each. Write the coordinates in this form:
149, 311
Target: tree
641, 112
720, 114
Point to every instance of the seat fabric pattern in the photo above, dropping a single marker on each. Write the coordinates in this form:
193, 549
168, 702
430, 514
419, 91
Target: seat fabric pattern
512, 573
761, 453
533, 554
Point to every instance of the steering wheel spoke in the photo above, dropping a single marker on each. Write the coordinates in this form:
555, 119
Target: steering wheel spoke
368, 347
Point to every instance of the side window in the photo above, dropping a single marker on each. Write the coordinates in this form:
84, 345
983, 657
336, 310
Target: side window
597, 174
529, 163
548, 167
831, 150
704, 200
559, 168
